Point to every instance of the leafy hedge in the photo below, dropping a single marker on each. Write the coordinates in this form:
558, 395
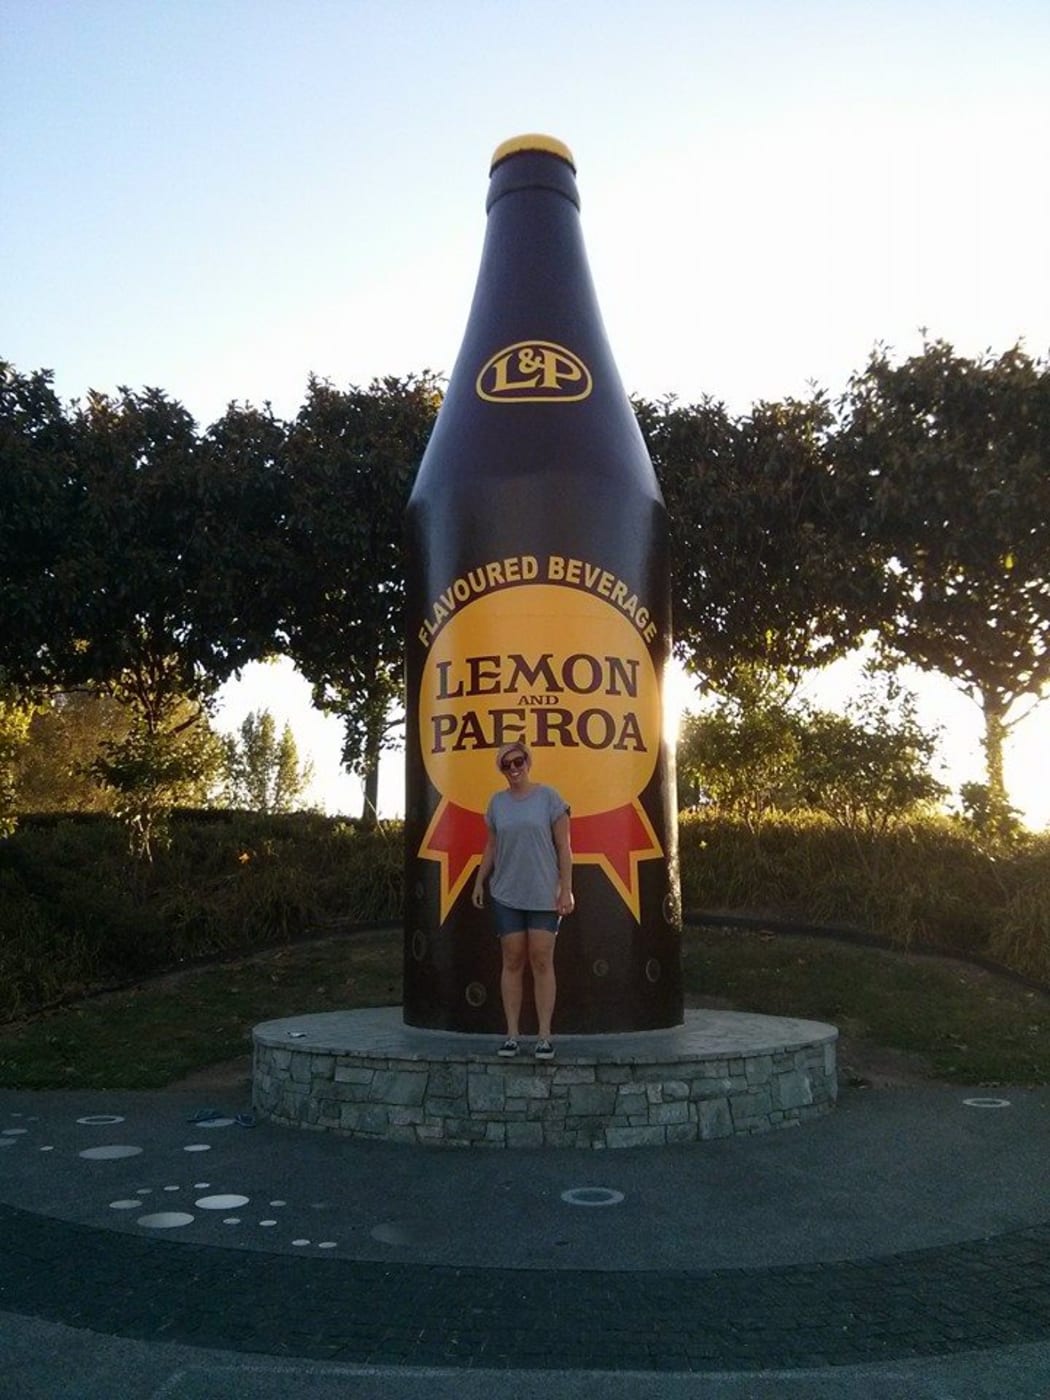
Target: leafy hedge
76, 914
928, 883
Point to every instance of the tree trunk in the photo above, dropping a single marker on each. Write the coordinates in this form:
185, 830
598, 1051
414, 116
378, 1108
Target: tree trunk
994, 733
376, 728
370, 806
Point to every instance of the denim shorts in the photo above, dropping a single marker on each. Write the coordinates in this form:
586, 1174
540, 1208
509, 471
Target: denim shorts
510, 920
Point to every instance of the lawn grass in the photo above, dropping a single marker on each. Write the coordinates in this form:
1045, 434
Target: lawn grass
971, 1027
162, 1030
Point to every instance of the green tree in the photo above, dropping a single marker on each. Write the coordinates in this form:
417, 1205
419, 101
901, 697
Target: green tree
263, 772
167, 607
170, 584
149, 772
15, 719
950, 458
766, 569
351, 458
66, 735
741, 756
39, 495
869, 767
983, 817
760, 750
241, 506
79, 740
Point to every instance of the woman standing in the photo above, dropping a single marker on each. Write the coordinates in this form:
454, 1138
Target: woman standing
530, 860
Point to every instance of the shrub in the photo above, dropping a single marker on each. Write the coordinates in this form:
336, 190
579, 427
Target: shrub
1021, 937
756, 753
925, 881
76, 912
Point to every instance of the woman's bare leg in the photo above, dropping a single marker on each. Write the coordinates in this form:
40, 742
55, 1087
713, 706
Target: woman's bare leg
512, 946
541, 960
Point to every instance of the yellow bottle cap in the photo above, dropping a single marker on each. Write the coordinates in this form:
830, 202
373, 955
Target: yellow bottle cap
550, 145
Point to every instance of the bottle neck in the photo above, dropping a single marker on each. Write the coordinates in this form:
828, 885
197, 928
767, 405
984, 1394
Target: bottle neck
532, 170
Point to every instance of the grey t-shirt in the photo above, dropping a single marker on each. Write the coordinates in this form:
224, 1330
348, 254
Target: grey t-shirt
525, 875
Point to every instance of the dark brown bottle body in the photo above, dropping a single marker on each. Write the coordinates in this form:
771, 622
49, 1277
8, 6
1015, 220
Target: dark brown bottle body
538, 609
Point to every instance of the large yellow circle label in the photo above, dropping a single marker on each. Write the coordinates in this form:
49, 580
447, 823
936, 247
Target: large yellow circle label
557, 667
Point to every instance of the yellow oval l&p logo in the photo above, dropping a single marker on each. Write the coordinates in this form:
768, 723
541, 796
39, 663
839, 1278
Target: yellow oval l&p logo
534, 371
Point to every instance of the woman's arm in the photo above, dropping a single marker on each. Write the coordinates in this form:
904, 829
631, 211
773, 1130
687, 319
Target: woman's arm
564, 901
488, 860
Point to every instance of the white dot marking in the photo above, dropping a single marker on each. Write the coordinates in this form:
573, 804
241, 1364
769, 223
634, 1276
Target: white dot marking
165, 1220
592, 1196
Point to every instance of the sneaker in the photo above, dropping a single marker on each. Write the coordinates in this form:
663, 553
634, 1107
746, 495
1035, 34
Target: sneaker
544, 1050
508, 1049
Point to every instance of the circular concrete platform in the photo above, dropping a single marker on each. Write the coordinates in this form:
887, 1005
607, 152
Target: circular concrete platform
366, 1074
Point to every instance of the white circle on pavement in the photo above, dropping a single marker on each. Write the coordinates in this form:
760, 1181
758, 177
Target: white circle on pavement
221, 1202
300, 1242
278, 1203
15, 1132
110, 1153
93, 1120
592, 1196
171, 1188
214, 1123
267, 1223
197, 1147
165, 1220
8, 1142
986, 1103
232, 1220
49, 1148
201, 1185
391, 1232
136, 1204
326, 1244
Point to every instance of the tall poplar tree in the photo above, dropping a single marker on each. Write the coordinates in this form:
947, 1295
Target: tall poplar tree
263, 772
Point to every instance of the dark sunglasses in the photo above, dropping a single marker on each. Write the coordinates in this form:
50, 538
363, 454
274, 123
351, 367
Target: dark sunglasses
511, 765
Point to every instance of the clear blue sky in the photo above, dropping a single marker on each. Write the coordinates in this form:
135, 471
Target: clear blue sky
218, 197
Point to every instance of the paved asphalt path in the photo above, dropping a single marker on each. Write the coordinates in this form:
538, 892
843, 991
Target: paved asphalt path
899, 1247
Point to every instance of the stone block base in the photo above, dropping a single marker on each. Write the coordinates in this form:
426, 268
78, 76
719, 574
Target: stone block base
366, 1074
